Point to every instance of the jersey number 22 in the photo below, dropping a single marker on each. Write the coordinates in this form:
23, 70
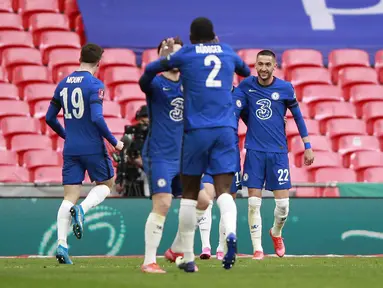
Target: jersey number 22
77, 102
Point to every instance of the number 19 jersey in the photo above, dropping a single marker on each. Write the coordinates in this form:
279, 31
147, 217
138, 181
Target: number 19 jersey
76, 93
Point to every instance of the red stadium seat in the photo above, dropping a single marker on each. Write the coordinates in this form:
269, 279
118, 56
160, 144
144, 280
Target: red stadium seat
7, 158
128, 92
79, 29
301, 77
10, 21
131, 108
119, 75
64, 71
14, 57
373, 175
61, 5
313, 94
63, 57
111, 109
333, 175
361, 160
116, 125
14, 174
19, 125
9, 92
148, 56
9, 39
242, 128
36, 92
372, 111
10, 108
379, 65
318, 143
27, 8
59, 146
249, 56
3, 144
351, 76
3, 75
361, 94
22, 143
48, 175
324, 160
117, 57
48, 131
324, 111
341, 58
297, 58
304, 110
378, 131
342, 127
25, 75
57, 39
43, 22
41, 158
300, 175
40, 110
71, 9
6, 6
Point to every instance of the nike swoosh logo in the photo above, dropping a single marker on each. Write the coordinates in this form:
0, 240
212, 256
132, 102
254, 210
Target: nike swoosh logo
281, 183
252, 90
166, 89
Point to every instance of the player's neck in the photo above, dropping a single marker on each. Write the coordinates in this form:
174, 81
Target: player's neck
87, 68
266, 82
173, 76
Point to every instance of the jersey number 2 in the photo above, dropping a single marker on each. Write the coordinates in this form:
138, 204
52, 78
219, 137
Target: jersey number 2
77, 102
210, 81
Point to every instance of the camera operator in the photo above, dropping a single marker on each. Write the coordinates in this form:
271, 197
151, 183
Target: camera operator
130, 176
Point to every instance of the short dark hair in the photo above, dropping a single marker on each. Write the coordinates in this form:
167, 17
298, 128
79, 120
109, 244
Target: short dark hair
91, 53
201, 30
177, 40
266, 53
142, 112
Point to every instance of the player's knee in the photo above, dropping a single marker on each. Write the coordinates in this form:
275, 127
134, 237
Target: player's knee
282, 207
203, 200
109, 183
161, 203
255, 205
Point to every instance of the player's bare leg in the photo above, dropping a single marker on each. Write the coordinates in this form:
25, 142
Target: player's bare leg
280, 215
153, 231
95, 196
255, 222
222, 237
204, 221
228, 210
71, 196
188, 219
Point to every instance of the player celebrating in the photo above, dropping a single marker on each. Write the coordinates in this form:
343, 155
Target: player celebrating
81, 95
266, 147
207, 69
162, 152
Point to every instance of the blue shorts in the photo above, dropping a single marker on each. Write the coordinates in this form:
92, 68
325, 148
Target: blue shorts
99, 167
235, 185
265, 167
213, 148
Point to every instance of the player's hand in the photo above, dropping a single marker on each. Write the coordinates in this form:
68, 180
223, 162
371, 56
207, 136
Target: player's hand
170, 44
119, 146
309, 157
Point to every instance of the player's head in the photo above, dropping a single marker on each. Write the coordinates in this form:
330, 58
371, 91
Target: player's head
201, 31
266, 64
91, 55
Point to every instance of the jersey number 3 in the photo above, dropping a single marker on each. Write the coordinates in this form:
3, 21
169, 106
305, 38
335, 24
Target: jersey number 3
77, 102
210, 81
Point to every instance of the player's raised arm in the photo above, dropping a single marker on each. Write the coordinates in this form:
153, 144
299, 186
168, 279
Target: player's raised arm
241, 68
51, 116
98, 118
298, 118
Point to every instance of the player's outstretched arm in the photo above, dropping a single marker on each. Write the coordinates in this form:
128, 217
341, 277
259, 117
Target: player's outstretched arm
51, 117
241, 68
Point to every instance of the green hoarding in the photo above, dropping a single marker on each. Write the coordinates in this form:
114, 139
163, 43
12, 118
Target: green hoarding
314, 227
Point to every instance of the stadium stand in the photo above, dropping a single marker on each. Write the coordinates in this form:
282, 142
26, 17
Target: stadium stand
341, 98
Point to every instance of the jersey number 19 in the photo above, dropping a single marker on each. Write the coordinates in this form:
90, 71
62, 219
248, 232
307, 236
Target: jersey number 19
77, 102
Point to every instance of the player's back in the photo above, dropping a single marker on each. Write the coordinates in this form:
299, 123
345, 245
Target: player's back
267, 107
165, 104
207, 72
77, 92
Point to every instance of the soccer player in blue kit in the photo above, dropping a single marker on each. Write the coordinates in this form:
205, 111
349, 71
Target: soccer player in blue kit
81, 95
162, 152
207, 69
266, 161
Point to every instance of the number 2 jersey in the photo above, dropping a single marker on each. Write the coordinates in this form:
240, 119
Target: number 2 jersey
207, 72
81, 95
267, 107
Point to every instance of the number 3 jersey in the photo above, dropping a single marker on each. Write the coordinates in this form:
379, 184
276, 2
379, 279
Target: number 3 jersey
267, 107
165, 106
80, 95
207, 72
